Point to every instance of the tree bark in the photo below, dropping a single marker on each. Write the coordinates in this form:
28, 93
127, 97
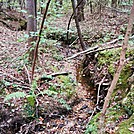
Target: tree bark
78, 26
31, 24
80, 12
38, 41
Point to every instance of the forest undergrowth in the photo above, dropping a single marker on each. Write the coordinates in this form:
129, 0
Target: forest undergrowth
64, 92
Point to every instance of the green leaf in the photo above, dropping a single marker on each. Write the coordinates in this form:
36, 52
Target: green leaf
64, 103
15, 95
31, 100
121, 37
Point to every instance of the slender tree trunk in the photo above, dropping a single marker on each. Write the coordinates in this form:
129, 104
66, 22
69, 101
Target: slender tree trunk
31, 24
118, 71
122, 60
80, 12
78, 26
38, 40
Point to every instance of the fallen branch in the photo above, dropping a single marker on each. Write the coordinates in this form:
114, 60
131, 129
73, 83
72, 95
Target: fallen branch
51, 76
102, 47
60, 73
83, 52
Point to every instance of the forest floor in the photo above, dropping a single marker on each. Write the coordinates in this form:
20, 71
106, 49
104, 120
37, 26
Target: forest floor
57, 112
57, 118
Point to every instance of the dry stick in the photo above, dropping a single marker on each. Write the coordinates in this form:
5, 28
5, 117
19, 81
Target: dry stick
28, 75
121, 63
39, 37
73, 41
83, 52
98, 97
93, 49
105, 48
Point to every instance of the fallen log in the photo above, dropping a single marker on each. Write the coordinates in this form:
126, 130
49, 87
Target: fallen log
102, 47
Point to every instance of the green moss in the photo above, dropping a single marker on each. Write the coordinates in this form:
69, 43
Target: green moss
115, 113
111, 58
127, 102
93, 125
125, 125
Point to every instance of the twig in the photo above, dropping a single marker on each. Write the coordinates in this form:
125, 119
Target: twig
98, 97
60, 73
3, 73
28, 75
83, 52
102, 49
73, 42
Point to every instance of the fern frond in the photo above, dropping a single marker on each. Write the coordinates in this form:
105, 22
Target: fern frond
15, 95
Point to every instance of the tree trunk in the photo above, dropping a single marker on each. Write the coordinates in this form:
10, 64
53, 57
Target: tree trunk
114, 6
122, 60
31, 24
80, 12
78, 26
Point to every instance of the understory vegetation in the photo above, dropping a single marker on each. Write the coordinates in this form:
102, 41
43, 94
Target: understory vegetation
69, 85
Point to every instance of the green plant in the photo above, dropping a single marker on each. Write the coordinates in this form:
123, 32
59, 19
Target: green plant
64, 103
93, 125
14, 95
67, 85
30, 104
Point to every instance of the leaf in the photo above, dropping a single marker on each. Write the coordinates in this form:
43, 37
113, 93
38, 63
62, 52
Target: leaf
121, 37
64, 103
31, 100
15, 95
